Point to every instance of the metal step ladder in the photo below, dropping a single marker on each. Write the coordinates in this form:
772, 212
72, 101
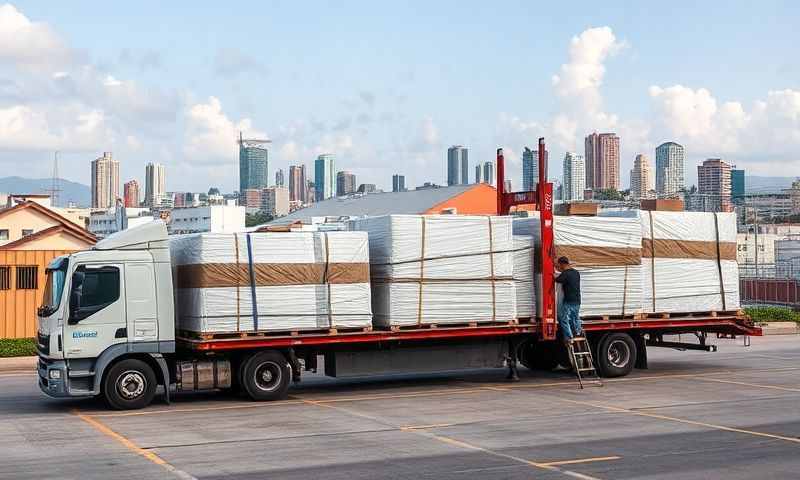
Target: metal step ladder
580, 354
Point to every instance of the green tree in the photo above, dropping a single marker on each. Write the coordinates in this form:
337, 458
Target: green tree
258, 218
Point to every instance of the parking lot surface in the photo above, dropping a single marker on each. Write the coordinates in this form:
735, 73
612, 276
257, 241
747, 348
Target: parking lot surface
733, 414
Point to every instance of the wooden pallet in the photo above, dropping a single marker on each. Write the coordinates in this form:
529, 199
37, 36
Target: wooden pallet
660, 316
270, 334
434, 326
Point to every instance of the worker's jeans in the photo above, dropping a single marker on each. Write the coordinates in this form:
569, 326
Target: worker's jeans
569, 319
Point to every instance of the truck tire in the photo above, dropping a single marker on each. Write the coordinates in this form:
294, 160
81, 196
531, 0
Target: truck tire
266, 376
129, 385
616, 355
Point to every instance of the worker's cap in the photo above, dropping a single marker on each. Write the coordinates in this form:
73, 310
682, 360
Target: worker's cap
563, 260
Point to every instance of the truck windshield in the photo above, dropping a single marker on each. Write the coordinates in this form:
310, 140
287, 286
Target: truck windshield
56, 277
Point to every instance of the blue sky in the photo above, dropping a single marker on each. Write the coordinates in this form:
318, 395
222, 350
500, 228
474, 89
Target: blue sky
388, 87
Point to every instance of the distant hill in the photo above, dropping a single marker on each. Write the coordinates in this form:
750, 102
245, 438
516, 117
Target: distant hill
756, 184
78, 193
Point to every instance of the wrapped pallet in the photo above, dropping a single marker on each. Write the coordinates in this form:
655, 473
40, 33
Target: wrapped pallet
439, 269
607, 253
689, 261
526, 278
227, 283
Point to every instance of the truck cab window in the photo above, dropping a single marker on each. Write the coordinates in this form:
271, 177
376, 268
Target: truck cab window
100, 287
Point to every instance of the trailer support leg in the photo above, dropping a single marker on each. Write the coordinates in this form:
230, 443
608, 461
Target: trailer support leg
641, 352
511, 360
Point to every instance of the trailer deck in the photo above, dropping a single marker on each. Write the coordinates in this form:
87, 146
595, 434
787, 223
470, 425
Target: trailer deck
729, 323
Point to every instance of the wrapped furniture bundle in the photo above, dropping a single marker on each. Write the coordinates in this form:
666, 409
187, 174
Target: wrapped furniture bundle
607, 253
440, 269
689, 261
243, 282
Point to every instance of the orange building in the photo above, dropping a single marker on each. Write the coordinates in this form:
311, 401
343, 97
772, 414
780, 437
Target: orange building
32, 236
474, 199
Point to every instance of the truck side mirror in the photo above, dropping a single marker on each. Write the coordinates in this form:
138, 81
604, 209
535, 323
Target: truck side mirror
75, 294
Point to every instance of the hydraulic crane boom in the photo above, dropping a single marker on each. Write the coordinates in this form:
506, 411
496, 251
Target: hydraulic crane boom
542, 199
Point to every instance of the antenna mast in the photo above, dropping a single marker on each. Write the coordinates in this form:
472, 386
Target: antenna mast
55, 184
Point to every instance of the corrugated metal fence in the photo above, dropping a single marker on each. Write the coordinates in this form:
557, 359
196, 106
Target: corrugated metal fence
770, 284
22, 280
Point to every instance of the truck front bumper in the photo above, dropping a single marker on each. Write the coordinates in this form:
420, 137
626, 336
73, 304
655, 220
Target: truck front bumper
56, 384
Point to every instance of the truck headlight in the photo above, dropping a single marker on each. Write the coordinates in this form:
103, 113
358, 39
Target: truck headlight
55, 374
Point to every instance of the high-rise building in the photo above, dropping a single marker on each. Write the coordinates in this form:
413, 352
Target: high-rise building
478, 173
602, 161
324, 177
251, 198
297, 183
253, 164
488, 172
398, 183
640, 177
280, 181
311, 192
507, 186
345, 183
737, 185
530, 168
105, 181
669, 169
457, 165
131, 193
275, 201
714, 184
154, 184
574, 177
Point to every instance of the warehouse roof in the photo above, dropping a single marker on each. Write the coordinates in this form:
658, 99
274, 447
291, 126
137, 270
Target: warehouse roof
383, 203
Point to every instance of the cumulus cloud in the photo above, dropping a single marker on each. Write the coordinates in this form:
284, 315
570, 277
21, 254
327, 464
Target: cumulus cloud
211, 136
29, 44
768, 129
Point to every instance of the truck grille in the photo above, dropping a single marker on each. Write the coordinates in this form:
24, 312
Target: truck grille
43, 343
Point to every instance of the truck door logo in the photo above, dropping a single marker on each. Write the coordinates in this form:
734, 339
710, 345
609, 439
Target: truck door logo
89, 334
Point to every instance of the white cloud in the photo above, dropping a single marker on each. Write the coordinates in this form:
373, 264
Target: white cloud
211, 136
579, 80
769, 129
27, 43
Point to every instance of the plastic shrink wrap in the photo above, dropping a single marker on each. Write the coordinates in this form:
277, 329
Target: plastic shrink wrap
607, 253
440, 269
302, 281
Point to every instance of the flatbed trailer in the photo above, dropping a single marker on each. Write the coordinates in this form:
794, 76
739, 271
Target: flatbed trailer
123, 347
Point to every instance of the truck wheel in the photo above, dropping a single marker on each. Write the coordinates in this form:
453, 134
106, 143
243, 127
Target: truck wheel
266, 376
129, 385
616, 355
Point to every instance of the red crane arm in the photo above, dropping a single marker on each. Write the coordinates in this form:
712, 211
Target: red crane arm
542, 199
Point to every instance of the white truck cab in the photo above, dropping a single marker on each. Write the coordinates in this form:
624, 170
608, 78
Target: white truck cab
105, 312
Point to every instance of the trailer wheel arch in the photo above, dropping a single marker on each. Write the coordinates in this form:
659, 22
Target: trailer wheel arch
615, 354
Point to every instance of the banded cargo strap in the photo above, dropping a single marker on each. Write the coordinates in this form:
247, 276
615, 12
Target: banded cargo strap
652, 259
238, 273
491, 269
252, 282
421, 273
326, 280
719, 263
624, 290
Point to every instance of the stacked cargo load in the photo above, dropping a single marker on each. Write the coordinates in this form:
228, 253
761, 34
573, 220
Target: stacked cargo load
262, 282
689, 261
439, 269
607, 253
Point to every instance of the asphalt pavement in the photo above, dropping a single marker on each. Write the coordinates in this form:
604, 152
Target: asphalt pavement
733, 414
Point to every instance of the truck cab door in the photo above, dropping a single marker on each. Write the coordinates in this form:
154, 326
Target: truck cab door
96, 311
140, 295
